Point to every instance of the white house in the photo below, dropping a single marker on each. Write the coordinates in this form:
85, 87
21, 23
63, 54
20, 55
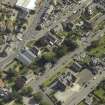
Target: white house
26, 4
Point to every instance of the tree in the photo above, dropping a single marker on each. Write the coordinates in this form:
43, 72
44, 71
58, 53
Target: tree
61, 51
49, 56
71, 45
37, 97
27, 91
19, 99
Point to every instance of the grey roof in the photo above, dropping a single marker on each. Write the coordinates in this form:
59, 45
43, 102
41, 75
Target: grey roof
66, 78
22, 58
26, 57
34, 50
29, 54
50, 39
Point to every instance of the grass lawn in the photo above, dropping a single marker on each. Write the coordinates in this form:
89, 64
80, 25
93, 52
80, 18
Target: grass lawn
100, 93
13, 64
30, 43
82, 103
62, 34
96, 100
99, 51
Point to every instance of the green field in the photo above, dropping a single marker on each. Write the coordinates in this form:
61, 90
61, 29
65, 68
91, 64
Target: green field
100, 93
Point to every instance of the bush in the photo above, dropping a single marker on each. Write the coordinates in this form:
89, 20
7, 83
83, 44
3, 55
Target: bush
27, 91
61, 51
49, 56
37, 97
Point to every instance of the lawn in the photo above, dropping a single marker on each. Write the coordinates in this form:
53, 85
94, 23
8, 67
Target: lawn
100, 93
96, 100
30, 43
99, 50
62, 34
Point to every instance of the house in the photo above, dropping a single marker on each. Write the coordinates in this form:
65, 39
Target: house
35, 51
20, 81
48, 39
26, 56
52, 40
76, 67
26, 5
65, 80
46, 13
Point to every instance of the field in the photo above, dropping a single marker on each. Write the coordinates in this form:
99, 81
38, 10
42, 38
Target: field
100, 93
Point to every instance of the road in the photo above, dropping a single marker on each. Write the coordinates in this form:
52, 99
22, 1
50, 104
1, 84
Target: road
31, 33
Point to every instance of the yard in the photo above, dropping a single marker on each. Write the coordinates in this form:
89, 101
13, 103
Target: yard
100, 93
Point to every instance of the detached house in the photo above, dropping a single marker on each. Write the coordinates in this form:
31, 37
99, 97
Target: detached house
27, 56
